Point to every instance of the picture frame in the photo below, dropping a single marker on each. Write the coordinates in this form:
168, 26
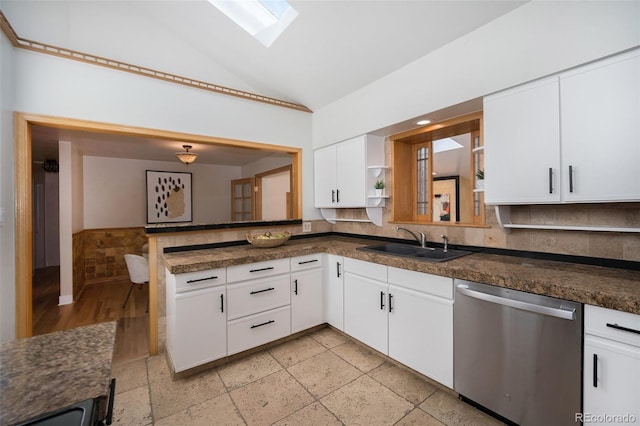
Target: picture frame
446, 200
169, 197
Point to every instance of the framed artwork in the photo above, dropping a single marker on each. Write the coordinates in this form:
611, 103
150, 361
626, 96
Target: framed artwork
168, 197
446, 199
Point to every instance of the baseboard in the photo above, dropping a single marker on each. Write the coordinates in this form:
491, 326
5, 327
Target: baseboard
65, 300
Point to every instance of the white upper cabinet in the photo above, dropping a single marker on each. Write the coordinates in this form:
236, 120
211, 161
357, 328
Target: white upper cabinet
522, 144
600, 113
340, 171
324, 176
573, 137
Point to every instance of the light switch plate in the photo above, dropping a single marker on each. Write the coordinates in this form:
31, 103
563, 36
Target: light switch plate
306, 226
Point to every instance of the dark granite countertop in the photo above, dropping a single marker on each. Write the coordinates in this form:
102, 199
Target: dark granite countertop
594, 285
44, 373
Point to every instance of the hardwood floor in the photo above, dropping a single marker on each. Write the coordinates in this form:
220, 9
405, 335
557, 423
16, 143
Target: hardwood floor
97, 303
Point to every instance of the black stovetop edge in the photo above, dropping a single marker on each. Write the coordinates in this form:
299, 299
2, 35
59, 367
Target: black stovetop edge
584, 260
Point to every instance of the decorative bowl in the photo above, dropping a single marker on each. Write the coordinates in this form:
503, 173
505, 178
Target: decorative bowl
269, 239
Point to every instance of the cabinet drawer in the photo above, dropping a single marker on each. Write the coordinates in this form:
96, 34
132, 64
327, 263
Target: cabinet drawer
257, 270
419, 281
302, 263
615, 325
366, 269
200, 279
256, 296
255, 330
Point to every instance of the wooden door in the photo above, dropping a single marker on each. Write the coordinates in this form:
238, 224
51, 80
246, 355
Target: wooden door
242, 200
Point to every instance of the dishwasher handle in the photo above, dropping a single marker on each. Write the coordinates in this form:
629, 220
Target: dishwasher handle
525, 306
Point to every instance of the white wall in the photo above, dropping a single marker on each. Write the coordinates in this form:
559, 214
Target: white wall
115, 191
52, 219
7, 217
65, 179
274, 195
264, 165
44, 84
536, 39
77, 190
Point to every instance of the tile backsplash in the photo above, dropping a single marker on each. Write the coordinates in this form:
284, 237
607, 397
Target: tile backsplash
612, 245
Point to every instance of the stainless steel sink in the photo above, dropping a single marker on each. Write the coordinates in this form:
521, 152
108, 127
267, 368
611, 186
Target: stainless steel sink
414, 252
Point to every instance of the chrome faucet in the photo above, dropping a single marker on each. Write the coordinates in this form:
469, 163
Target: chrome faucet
445, 240
422, 239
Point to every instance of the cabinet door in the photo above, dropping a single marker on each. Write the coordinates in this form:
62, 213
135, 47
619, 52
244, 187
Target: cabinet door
601, 130
333, 291
200, 328
421, 333
365, 310
351, 172
306, 299
522, 144
612, 387
324, 176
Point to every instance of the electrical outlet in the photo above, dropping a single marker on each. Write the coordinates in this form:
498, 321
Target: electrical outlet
306, 226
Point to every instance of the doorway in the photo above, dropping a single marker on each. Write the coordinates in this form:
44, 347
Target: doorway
273, 194
23, 124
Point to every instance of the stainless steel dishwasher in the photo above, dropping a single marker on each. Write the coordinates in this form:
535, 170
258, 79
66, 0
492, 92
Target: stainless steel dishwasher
518, 354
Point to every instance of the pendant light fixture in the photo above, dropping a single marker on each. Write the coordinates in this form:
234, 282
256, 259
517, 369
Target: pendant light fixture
186, 156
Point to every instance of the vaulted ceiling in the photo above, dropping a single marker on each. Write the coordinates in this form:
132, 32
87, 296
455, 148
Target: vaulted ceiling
333, 48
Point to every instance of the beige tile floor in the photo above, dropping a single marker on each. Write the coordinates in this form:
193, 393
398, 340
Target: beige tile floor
323, 378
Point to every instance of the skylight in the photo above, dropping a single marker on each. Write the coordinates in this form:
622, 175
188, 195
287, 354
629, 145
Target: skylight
265, 20
446, 144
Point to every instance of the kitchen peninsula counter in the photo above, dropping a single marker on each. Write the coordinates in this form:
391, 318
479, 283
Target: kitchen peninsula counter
44, 373
612, 288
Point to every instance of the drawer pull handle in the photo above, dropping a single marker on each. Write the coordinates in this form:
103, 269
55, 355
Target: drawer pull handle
307, 261
201, 279
262, 291
262, 269
264, 323
595, 370
619, 327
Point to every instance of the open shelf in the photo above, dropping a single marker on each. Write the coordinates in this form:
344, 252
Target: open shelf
503, 215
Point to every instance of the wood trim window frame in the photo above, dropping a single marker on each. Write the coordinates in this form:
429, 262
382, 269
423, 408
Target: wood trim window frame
404, 147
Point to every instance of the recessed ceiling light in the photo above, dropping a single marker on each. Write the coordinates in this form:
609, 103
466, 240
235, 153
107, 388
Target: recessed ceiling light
423, 122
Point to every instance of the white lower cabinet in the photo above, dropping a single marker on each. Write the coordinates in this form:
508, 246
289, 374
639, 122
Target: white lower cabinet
255, 330
365, 310
404, 314
196, 325
254, 296
611, 385
421, 323
334, 291
259, 308
307, 304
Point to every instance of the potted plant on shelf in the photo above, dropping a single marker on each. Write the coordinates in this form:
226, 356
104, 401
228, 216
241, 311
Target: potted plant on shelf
378, 186
480, 179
